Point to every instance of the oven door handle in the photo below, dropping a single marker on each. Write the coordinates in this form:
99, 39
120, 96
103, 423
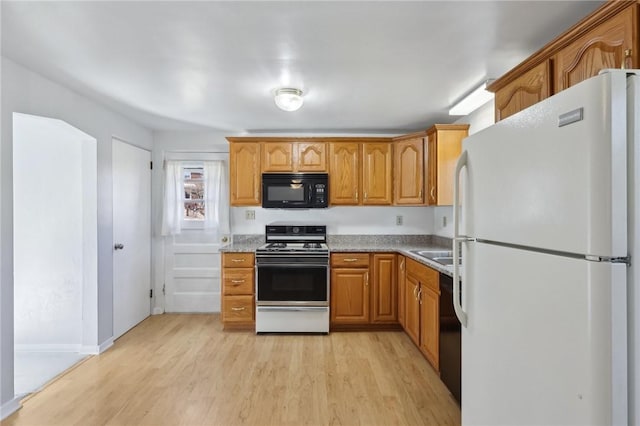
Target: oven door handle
291, 265
293, 308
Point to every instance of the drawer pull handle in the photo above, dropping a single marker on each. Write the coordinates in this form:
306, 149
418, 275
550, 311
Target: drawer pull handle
237, 260
351, 260
238, 309
237, 281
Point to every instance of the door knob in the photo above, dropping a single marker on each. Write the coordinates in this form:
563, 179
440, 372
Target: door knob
118, 246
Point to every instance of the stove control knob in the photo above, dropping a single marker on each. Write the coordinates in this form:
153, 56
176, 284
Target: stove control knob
296, 230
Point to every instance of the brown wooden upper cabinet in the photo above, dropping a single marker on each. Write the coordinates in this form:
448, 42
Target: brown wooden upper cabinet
602, 47
244, 180
360, 173
344, 172
444, 145
408, 169
294, 156
526, 90
377, 174
608, 38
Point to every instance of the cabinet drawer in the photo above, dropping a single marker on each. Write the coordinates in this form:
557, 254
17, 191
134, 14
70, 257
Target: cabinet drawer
237, 281
425, 275
351, 260
237, 260
238, 309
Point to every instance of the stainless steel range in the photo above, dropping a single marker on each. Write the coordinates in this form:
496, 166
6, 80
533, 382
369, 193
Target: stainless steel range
292, 284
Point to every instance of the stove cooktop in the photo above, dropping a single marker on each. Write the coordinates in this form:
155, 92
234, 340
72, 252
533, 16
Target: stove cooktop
288, 247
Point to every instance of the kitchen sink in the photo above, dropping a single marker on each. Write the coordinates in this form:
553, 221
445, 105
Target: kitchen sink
443, 257
430, 254
444, 260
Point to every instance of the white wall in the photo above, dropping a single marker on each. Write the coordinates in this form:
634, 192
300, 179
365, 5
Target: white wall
55, 232
479, 119
27, 92
340, 220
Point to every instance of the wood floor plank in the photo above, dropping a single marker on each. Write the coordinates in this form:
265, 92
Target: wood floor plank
183, 369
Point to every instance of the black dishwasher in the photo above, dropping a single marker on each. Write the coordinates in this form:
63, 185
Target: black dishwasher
450, 349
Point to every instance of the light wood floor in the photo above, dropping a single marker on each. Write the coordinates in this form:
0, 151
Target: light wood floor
184, 370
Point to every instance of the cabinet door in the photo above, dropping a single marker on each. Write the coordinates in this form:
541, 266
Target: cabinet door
408, 171
349, 296
401, 290
377, 174
602, 47
412, 309
344, 169
526, 90
385, 289
311, 157
432, 169
429, 324
277, 157
444, 148
244, 179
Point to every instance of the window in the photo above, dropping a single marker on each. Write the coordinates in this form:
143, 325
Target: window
193, 184
195, 195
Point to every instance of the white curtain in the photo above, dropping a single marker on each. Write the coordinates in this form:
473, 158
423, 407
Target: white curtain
172, 200
216, 197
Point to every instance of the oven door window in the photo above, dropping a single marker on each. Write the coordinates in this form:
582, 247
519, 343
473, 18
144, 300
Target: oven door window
280, 283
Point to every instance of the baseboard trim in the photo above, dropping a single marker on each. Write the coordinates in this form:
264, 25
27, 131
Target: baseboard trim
47, 348
10, 407
97, 350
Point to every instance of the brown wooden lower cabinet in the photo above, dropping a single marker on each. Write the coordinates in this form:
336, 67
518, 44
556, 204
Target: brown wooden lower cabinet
364, 289
238, 302
412, 309
384, 286
401, 289
349, 296
349, 288
422, 305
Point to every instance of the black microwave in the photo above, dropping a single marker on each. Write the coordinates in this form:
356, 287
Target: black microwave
295, 190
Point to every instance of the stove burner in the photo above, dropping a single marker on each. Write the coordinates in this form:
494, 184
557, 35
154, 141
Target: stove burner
311, 245
276, 245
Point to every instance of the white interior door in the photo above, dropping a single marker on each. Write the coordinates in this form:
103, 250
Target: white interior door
131, 236
192, 272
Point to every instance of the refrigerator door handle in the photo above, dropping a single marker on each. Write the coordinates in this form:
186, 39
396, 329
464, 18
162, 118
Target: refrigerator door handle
457, 238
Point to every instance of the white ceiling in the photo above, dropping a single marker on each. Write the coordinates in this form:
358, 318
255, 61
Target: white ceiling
374, 67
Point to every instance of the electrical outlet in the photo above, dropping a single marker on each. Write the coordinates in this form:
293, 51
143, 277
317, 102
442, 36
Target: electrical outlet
444, 221
399, 220
250, 215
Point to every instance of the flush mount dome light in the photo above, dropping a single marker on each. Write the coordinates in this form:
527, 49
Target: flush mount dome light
288, 99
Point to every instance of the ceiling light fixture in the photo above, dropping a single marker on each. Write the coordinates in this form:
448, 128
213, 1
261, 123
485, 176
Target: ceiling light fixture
288, 99
474, 100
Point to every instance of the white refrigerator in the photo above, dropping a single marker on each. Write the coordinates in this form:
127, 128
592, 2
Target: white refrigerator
545, 220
